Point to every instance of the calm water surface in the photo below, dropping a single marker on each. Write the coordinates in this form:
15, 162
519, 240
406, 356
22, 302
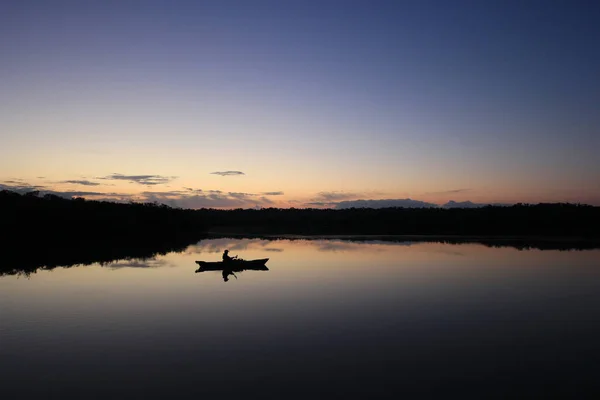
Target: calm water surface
330, 319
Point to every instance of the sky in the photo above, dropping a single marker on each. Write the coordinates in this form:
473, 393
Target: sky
296, 103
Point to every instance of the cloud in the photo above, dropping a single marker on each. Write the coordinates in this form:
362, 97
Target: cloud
21, 187
407, 203
227, 173
44, 190
167, 193
333, 196
204, 199
321, 204
185, 198
193, 190
330, 199
79, 194
266, 200
82, 182
213, 201
272, 193
450, 191
141, 179
462, 204
239, 195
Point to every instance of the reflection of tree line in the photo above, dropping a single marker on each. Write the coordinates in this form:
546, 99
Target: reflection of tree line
31, 256
40, 256
47, 231
531, 243
519, 243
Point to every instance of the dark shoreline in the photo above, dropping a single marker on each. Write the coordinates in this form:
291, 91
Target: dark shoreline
29, 216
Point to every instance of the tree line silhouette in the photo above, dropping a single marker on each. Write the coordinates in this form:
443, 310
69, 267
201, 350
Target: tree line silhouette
32, 216
559, 219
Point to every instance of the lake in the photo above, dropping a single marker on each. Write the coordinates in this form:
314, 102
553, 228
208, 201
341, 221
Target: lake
331, 318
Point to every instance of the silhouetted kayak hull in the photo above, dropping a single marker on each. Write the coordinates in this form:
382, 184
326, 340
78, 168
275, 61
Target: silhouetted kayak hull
239, 265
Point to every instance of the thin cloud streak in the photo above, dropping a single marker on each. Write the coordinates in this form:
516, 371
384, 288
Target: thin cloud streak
82, 182
333, 196
80, 194
266, 200
22, 187
453, 191
238, 195
141, 179
320, 204
228, 173
192, 190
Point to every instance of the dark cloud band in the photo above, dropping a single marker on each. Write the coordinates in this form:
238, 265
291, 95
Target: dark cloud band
141, 179
227, 173
82, 182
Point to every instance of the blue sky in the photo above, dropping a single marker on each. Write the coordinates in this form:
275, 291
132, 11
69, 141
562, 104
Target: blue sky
429, 100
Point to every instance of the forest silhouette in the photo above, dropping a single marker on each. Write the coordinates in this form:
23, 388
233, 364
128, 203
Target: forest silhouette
36, 216
556, 220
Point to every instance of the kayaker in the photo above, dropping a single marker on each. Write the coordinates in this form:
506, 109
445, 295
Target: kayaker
226, 257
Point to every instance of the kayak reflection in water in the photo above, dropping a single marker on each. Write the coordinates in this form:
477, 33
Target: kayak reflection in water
226, 273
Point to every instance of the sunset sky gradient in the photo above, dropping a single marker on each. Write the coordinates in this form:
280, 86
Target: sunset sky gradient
301, 103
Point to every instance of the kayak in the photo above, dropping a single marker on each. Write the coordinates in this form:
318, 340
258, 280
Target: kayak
235, 265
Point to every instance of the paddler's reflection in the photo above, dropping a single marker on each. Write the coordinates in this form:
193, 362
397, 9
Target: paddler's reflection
226, 273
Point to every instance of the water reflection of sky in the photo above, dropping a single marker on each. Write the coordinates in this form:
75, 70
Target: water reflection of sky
329, 303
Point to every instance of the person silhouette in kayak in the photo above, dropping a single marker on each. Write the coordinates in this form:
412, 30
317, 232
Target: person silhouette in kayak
227, 257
